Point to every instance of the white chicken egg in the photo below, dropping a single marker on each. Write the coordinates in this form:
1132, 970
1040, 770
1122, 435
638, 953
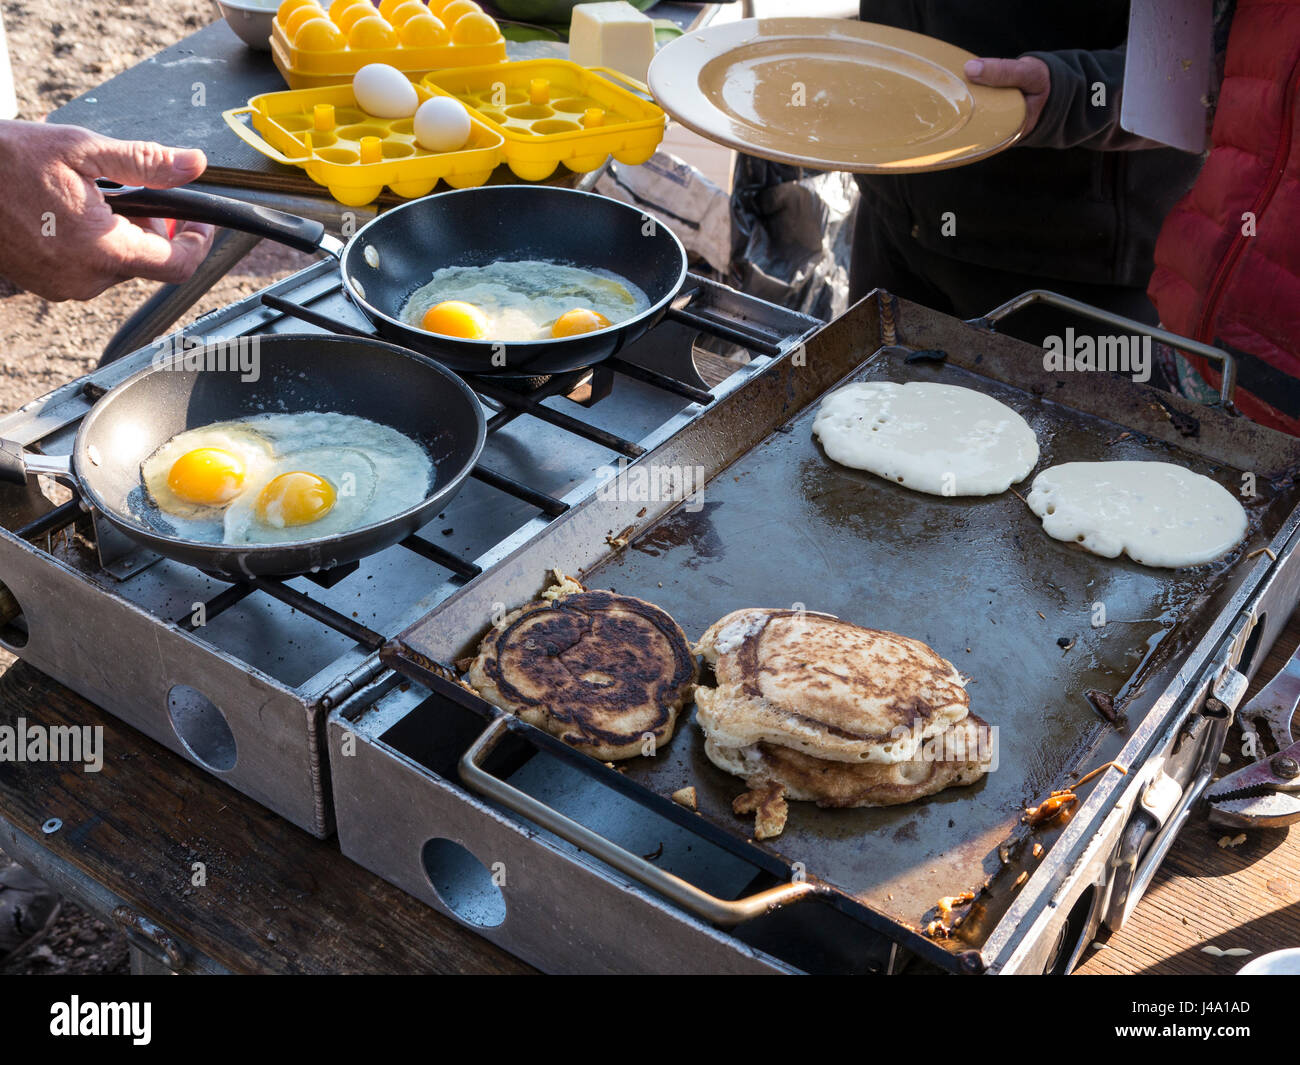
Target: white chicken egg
306, 476
384, 91
442, 124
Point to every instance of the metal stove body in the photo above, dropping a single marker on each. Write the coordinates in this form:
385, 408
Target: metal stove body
238, 678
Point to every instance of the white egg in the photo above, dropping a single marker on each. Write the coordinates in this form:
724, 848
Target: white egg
384, 91
442, 124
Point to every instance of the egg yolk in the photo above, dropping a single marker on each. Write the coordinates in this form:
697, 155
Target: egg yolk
473, 27
579, 320
295, 498
207, 476
318, 35
372, 32
454, 318
387, 7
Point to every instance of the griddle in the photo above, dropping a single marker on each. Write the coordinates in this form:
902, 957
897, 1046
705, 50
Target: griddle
977, 579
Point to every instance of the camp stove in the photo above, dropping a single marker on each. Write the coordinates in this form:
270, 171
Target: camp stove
573, 864
238, 677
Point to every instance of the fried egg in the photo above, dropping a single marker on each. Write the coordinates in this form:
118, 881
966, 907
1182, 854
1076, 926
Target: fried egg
196, 474
525, 300
280, 478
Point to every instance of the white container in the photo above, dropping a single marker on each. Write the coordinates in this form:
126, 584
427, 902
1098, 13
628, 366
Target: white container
251, 20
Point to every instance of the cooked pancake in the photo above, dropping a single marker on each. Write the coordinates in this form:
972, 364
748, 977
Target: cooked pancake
598, 670
825, 687
957, 757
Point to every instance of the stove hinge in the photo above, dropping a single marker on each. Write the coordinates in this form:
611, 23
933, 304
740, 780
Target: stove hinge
351, 683
1176, 776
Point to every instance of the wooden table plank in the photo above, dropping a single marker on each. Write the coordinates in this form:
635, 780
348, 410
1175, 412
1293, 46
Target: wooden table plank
1207, 895
276, 899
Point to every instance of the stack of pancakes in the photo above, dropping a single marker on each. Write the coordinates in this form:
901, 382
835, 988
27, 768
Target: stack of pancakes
834, 713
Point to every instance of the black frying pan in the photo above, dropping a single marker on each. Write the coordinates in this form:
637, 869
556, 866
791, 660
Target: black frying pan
382, 382
469, 227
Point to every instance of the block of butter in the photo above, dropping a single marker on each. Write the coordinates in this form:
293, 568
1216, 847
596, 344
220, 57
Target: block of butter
613, 35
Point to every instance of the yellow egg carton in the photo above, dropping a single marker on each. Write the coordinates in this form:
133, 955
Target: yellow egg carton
313, 46
354, 154
552, 111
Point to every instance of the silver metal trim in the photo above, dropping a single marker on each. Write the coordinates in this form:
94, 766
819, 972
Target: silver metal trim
1227, 364
700, 903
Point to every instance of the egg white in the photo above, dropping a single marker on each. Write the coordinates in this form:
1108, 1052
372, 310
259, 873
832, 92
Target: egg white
523, 299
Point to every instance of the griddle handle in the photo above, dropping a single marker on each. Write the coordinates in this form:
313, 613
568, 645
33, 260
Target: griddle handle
1227, 364
707, 907
189, 205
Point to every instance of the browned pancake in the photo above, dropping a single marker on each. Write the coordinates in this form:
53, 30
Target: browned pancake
823, 686
603, 672
959, 757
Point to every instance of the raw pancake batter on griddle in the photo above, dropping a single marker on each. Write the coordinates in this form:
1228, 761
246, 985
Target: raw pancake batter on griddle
1157, 513
935, 438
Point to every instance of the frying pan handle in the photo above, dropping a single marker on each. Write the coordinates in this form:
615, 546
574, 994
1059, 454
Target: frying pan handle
192, 206
705, 906
16, 463
1227, 364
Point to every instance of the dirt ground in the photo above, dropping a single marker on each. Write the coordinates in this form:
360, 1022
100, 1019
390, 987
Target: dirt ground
60, 49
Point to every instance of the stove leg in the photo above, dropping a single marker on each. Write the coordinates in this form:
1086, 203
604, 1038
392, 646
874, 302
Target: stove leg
157, 314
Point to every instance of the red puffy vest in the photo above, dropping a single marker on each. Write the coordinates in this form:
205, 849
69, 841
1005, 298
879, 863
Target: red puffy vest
1214, 281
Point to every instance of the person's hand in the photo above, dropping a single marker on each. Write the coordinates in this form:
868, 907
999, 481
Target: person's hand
58, 237
1029, 74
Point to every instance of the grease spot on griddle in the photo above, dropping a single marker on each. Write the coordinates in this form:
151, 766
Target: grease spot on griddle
683, 529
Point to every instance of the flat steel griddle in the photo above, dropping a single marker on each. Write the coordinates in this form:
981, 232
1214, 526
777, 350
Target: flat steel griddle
977, 579
970, 577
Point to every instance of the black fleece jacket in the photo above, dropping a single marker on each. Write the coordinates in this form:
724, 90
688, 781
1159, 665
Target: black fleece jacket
1068, 202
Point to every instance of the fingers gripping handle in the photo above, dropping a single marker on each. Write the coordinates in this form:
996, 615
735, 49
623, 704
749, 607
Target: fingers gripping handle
189, 205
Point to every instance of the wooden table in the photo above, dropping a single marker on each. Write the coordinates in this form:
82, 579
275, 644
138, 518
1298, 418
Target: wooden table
276, 900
